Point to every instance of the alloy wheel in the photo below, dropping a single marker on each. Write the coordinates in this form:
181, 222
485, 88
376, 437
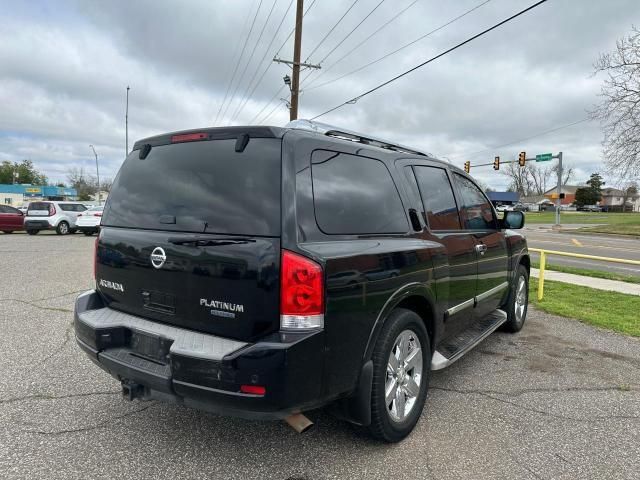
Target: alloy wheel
404, 375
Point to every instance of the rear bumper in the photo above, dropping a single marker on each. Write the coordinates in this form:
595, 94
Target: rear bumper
200, 370
37, 224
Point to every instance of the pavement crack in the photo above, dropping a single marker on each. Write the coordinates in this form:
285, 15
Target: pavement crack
524, 391
55, 351
42, 396
32, 304
92, 427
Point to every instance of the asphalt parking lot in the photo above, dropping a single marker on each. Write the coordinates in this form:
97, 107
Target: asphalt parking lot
559, 400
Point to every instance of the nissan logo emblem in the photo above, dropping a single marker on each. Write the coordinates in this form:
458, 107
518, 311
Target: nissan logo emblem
158, 257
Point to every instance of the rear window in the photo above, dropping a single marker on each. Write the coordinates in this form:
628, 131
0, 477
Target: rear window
200, 187
39, 206
355, 195
72, 207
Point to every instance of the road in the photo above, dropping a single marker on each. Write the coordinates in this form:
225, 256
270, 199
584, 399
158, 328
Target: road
558, 400
541, 236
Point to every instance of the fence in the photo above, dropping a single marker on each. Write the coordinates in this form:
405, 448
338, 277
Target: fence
543, 263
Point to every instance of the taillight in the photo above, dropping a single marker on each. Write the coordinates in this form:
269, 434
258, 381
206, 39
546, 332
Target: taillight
188, 137
98, 214
95, 259
253, 389
52, 210
301, 293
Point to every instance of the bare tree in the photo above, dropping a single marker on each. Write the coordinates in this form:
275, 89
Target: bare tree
618, 111
567, 174
629, 192
520, 178
540, 177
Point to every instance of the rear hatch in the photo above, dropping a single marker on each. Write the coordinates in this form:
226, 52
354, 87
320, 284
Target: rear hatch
191, 233
40, 209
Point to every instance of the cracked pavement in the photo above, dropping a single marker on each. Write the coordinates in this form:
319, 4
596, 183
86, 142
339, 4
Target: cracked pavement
559, 400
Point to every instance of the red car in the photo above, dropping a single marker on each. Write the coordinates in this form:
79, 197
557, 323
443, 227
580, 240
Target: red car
11, 219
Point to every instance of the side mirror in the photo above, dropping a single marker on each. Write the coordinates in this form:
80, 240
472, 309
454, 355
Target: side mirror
513, 220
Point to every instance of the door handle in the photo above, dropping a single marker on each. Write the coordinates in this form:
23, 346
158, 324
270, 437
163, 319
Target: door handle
481, 248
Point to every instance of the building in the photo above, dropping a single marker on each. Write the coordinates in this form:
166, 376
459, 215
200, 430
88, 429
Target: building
613, 198
503, 198
17, 195
569, 194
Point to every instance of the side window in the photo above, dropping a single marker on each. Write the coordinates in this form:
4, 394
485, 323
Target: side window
3, 209
66, 207
8, 209
476, 209
437, 197
78, 207
355, 195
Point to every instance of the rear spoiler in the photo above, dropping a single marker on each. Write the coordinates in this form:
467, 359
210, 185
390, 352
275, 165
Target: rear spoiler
205, 134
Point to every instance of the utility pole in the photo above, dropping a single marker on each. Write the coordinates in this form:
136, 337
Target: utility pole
97, 174
126, 126
295, 64
295, 80
559, 200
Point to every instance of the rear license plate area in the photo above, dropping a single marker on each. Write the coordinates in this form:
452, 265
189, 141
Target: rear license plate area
150, 347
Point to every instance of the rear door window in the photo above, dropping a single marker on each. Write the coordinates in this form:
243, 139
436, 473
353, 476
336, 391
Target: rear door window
355, 195
437, 196
476, 208
204, 187
67, 208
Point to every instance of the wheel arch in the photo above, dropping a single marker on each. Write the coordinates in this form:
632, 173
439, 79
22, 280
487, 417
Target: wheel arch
416, 297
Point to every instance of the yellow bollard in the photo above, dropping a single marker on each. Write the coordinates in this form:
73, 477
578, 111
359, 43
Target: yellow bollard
543, 264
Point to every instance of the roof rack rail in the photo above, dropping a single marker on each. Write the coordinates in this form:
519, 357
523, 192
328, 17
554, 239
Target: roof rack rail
337, 132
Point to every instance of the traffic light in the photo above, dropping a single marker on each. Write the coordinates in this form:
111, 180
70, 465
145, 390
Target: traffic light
467, 166
496, 163
522, 158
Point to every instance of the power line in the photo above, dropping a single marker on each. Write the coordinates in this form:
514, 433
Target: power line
345, 38
234, 71
397, 77
331, 30
244, 70
540, 134
292, 31
247, 95
275, 95
264, 120
375, 32
373, 62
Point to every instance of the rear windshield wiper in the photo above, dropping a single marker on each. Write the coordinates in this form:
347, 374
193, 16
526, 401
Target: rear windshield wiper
200, 241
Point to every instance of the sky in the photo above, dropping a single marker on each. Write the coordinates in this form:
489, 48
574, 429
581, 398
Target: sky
65, 66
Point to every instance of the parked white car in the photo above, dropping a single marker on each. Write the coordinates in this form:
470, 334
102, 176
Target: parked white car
58, 216
89, 221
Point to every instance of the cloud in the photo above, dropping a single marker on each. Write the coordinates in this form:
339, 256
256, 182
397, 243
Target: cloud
66, 65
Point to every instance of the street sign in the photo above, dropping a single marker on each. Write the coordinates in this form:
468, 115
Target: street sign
544, 157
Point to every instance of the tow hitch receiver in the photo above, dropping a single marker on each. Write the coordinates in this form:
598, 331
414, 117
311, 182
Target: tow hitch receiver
131, 390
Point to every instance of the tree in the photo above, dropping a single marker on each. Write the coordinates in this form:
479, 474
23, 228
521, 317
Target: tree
86, 185
520, 178
23, 172
595, 182
629, 193
586, 196
528, 180
618, 110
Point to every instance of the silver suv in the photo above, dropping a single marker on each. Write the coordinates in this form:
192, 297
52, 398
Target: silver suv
60, 216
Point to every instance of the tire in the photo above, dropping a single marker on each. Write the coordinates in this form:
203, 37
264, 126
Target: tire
73, 230
387, 423
63, 228
88, 233
33, 232
518, 302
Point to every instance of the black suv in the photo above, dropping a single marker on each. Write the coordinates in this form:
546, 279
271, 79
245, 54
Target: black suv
263, 271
